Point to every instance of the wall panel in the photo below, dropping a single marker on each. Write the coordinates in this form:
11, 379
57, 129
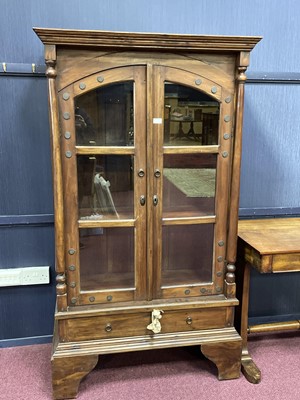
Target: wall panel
278, 22
25, 177
270, 174
27, 311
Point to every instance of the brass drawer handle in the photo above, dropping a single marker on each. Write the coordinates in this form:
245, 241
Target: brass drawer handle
189, 320
108, 328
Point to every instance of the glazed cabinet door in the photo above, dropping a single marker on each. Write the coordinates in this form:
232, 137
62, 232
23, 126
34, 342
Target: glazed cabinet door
191, 165
146, 163
104, 163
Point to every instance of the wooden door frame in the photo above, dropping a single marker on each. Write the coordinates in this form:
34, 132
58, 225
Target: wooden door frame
69, 151
225, 97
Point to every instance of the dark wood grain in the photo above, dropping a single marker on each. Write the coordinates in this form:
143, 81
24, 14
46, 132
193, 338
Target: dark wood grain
271, 236
173, 259
226, 356
145, 40
67, 373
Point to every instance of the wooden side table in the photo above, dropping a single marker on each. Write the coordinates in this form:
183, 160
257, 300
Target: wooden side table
270, 246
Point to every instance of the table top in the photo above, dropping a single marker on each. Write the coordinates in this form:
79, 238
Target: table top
271, 236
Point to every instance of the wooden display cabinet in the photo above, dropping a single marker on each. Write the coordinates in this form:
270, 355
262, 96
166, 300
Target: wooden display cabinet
145, 210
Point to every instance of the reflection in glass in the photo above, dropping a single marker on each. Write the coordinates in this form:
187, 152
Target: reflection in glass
106, 258
191, 117
189, 185
187, 254
104, 116
105, 186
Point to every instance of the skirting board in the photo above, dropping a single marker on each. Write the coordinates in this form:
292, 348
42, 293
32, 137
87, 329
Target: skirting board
25, 341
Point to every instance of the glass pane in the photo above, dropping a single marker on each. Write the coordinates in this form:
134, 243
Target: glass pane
106, 258
187, 254
189, 185
104, 117
191, 117
105, 186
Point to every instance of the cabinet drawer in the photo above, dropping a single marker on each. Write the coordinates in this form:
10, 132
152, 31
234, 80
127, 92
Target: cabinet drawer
135, 324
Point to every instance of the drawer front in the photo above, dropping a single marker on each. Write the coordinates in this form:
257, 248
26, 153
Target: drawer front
286, 262
135, 324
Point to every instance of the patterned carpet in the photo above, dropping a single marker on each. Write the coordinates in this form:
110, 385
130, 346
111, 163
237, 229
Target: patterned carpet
169, 374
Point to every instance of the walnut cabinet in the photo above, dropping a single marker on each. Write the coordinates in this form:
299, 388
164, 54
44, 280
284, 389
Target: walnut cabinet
146, 142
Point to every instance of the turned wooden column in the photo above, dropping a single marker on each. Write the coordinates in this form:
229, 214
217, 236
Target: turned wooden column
230, 287
61, 287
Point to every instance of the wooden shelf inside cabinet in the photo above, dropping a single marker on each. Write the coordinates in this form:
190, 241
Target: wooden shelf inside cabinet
146, 182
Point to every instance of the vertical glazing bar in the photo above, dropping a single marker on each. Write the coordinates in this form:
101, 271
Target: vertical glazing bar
150, 255
156, 203
140, 187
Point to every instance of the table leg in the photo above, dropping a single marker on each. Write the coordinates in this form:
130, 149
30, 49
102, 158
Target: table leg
249, 368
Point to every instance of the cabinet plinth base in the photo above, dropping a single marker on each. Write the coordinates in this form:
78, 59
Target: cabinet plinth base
67, 373
71, 361
226, 357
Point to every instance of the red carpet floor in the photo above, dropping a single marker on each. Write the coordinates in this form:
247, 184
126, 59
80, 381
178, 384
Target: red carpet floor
170, 374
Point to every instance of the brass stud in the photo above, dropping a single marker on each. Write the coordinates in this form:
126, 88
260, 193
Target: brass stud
141, 173
221, 243
71, 251
228, 99
72, 268
225, 154
220, 259
219, 274
66, 115
82, 86
226, 136
92, 299
198, 82
66, 96
187, 291
157, 173
109, 298
100, 79
74, 300
108, 328
189, 320
67, 135
203, 290
227, 118
214, 90
72, 284
68, 154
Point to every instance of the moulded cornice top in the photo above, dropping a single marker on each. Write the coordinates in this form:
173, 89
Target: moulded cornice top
126, 40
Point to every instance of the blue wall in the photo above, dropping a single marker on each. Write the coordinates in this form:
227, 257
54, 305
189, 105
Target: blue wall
271, 151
